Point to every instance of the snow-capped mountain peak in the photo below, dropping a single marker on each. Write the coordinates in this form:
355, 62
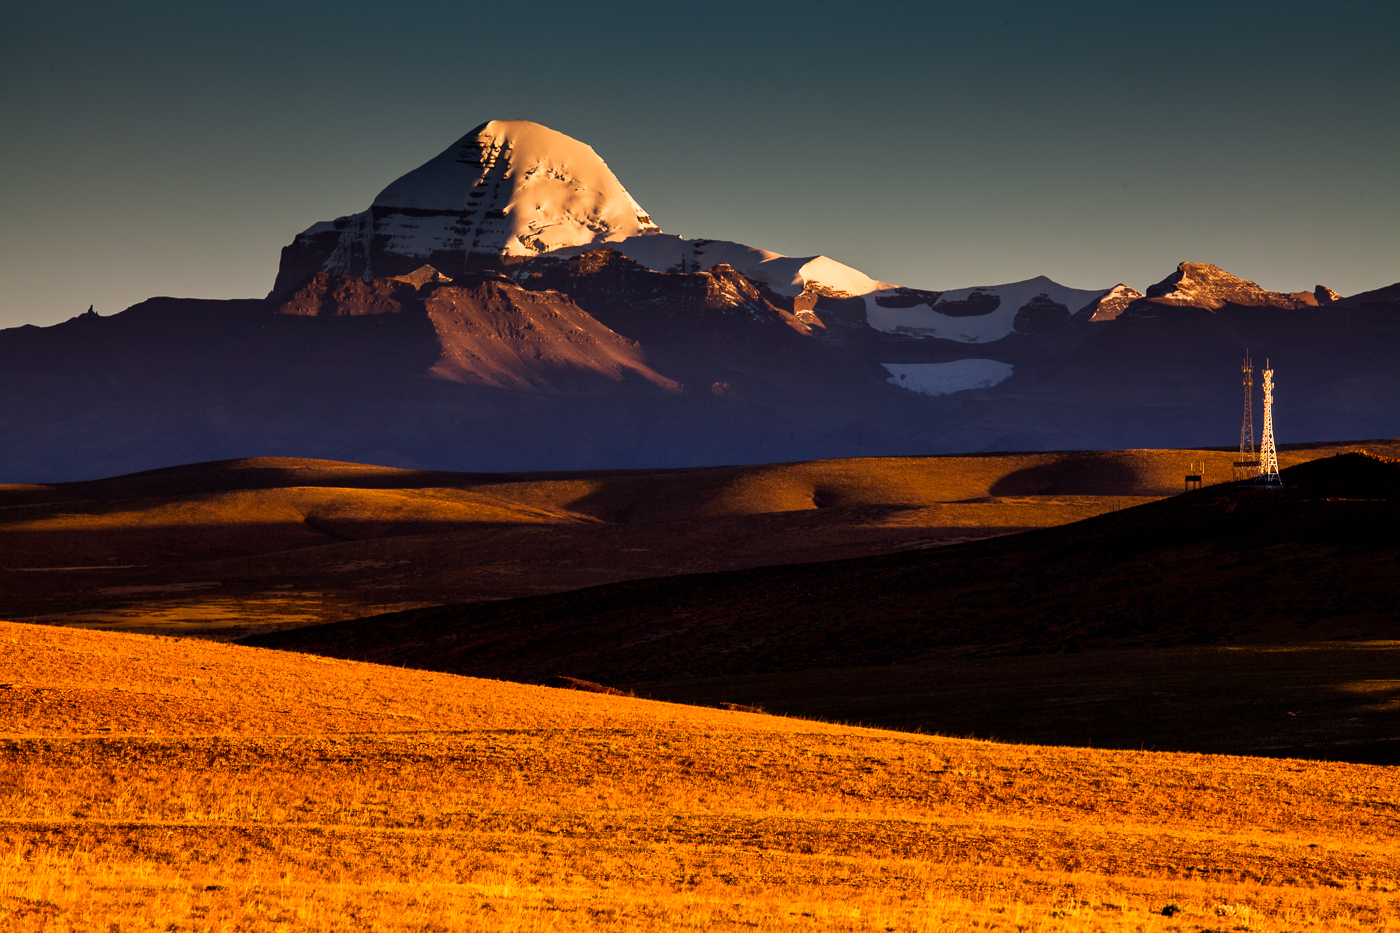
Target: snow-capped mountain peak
509, 189
530, 189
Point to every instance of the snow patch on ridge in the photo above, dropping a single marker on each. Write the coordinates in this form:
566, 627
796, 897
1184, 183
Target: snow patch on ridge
947, 378
927, 321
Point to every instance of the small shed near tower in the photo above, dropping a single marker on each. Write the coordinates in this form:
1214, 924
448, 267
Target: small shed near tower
1195, 476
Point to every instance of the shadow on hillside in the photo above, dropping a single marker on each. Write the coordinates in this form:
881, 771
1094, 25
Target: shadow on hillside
1333, 701
1088, 475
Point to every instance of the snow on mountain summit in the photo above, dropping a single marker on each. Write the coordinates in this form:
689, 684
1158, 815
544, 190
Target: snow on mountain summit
550, 189
508, 189
512, 190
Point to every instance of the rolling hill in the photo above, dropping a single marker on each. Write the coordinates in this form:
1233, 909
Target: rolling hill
228, 548
1314, 562
1226, 563
151, 783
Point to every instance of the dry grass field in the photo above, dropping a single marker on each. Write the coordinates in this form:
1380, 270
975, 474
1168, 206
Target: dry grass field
224, 549
150, 783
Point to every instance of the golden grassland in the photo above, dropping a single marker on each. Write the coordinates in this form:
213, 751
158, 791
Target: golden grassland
151, 783
221, 550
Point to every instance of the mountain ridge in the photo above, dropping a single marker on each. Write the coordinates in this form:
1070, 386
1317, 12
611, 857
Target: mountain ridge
570, 332
1203, 285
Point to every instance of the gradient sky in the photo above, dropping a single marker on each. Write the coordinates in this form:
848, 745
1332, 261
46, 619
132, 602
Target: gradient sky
174, 148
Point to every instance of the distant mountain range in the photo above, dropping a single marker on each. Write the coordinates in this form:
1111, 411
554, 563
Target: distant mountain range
509, 306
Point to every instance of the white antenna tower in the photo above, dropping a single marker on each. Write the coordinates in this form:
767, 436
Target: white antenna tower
1268, 456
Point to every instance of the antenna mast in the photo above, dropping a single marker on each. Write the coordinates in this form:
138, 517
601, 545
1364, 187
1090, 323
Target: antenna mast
1247, 466
1268, 456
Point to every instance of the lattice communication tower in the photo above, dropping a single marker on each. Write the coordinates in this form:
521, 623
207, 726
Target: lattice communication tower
1247, 466
1268, 456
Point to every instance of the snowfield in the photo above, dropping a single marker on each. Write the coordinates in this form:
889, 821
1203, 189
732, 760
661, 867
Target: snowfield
925, 321
947, 378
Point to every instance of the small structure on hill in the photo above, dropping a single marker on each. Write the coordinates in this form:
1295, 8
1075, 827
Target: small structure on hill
1195, 476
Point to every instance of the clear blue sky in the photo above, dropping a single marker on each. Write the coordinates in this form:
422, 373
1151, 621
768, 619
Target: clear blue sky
173, 148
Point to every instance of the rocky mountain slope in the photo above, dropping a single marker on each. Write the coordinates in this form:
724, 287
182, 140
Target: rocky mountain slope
1201, 285
489, 332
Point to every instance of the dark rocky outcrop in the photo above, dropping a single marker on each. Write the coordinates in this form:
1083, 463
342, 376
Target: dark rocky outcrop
1040, 315
907, 298
327, 295
977, 303
1325, 295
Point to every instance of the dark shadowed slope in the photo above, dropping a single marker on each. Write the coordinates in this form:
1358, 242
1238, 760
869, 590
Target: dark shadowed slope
1226, 564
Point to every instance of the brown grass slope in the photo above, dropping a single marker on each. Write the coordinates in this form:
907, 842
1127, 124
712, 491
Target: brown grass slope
161, 784
1223, 564
226, 548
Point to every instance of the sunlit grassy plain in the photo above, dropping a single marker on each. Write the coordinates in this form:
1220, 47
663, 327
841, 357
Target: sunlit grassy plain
159, 784
223, 550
